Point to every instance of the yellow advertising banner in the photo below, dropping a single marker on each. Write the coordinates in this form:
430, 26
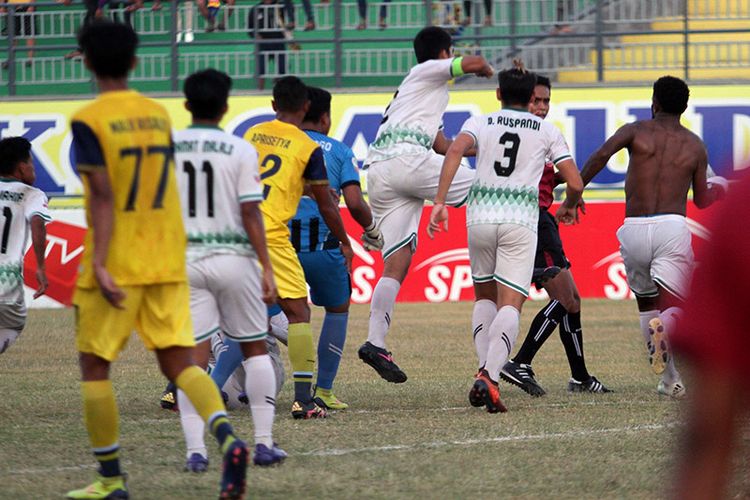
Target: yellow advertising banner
719, 114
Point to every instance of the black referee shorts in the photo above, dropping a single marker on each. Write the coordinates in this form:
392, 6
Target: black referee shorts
549, 248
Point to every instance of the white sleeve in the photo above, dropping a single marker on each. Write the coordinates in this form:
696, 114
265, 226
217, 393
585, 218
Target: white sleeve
558, 149
434, 70
472, 127
35, 203
248, 180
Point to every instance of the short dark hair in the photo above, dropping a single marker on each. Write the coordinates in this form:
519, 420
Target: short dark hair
109, 47
320, 104
672, 94
207, 92
430, 41
289, 94
544, 81
516, 84
13, 150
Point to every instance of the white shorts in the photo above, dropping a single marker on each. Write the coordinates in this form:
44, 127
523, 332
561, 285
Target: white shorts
398, 188
504, 253
226, 295
657, 251
13, 315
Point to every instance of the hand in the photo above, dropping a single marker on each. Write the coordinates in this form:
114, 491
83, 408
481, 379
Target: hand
487, 71
109, 289
567, 215
99, 13
41, 278
335, 197
439, 214
65, 2
372, 238
718, 182
582, 207
346, 250
270, 293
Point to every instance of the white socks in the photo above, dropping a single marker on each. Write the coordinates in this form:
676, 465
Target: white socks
503, 333
192, 426
481, 319
7, 337
381, 309
669, 319
260, 386
645, 317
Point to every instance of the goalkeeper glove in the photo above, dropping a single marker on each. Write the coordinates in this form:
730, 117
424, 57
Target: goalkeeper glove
372, 238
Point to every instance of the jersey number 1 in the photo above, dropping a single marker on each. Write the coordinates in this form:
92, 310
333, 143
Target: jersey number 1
209, 171
507, 165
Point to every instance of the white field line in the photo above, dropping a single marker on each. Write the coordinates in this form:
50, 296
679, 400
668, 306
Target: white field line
410, 447
500, 439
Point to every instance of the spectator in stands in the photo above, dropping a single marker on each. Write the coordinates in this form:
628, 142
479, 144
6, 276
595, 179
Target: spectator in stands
362, 7
565, 10
266, 18
209, 9
289, 11
92, 12
487, 12
24, 24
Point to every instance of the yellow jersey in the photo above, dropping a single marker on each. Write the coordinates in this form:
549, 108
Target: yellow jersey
288, 159
130, 136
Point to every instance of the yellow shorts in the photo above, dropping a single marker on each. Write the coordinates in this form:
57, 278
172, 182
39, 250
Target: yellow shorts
160, 313
290, 278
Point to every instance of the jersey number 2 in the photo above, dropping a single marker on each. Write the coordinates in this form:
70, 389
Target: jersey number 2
275, 163
507, 164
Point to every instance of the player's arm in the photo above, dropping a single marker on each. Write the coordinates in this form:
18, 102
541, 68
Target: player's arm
101, 206
598, 160
476, 65
39, 244
91, 164
372, 239
252, 221
568, 211
316, 176
706, 191
439, 215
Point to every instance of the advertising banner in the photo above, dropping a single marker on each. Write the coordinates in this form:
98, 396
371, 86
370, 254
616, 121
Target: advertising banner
440, 269
586, 117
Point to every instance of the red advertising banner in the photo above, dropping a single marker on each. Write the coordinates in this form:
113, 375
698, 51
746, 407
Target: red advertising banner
440, 269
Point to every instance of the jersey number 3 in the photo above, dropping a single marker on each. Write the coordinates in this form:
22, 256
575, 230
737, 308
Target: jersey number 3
510, 142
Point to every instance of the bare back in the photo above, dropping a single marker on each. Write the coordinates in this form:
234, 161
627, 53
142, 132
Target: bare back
665, 159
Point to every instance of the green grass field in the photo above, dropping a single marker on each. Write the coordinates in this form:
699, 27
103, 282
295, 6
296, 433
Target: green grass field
417, 439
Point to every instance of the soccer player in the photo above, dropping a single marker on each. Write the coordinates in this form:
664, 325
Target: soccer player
502, 215
133, 273
318, 249
24, 210
714, 338
403, 167
289, 159
229, 269
665, 160
564, 307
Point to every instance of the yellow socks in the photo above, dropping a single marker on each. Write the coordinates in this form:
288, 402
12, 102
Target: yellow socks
202, 392
302, 358
103, 424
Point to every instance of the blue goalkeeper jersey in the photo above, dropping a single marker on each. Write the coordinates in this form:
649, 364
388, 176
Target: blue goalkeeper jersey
308, 231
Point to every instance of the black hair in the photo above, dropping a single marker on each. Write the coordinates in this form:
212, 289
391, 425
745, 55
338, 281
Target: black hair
543, 81
516, 84
430, 41
13, 150
109, 47
207, 92
672, 94
320, 104
289, 94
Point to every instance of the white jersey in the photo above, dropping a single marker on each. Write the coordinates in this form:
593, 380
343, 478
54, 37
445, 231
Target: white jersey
19, 202
413, 118
216, 171
511, 149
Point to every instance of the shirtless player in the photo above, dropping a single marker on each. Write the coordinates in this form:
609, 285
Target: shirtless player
665, 160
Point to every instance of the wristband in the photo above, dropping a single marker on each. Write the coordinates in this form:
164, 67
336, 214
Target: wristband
456, 69
370, 227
